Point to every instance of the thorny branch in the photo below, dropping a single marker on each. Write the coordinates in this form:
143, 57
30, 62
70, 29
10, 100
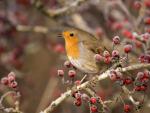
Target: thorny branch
86, 84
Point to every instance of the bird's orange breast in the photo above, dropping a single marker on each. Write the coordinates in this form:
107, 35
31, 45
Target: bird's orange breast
72, 47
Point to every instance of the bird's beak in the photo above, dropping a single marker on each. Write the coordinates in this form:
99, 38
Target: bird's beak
60, 35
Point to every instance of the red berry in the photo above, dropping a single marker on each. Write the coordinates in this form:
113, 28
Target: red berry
99, 31
140, 74
77, 82
127, 48
72, 73
143, 88
137, 88
144, 80
98, 57
113, 76
11, 77
116, 40
13, 84
78, 96
93, 100
67, 64
77, 102
23, 2
145, 37
147, 3
138, 43
147, 29
137, 5
127, 34
117, 26
147, 20
106, 54
127, 81
147, 74
4, 81
142, 58
93, 109
60, 73
115, 53
59, 48
127, 108
107, 60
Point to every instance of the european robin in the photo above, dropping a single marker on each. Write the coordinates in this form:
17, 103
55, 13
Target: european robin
81, 48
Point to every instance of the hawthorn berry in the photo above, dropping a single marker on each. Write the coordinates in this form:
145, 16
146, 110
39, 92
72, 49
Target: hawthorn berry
72, 73
127, 108
116, 40
147, 3
93, 108
13, 84
127, 48
137, 5
67, 64
4, 81
147, 20
143, 87
140, 75
60, 73
127, 34
77, 82
137, 88
145, 37
117, 26
127, 81
115, 53
59, 48
11, 77
113, 76
93, 100
99, 31
98, 57
78, 96
77, 102
107, 60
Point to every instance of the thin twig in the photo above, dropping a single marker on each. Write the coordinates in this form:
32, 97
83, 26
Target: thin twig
56, 12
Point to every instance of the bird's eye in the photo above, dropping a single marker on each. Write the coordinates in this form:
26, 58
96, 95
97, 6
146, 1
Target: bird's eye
71, 34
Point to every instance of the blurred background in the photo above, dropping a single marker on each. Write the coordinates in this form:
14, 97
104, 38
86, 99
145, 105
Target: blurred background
30, 47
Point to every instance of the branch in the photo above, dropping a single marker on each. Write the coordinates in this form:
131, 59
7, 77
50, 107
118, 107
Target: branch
84, 85
36, 29
56, 12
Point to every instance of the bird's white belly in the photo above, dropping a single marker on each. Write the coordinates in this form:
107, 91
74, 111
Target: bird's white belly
83, 65
85, 62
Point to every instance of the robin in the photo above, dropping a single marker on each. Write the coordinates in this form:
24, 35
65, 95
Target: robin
81, 48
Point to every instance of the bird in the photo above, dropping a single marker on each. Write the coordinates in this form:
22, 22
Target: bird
81, 47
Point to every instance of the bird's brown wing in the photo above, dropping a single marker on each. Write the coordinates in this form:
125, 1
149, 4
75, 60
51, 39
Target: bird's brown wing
93, 44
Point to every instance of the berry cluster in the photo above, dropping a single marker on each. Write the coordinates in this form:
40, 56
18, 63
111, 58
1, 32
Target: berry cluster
141, 81
114, 56
10, 80
93, 101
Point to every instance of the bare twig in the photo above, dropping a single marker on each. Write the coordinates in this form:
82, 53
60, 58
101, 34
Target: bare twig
56, 12
36, 29
86, 84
